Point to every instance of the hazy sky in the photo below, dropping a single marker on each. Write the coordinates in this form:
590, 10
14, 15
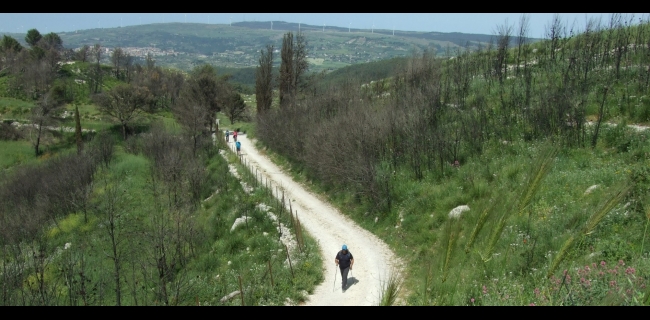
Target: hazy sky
484, 23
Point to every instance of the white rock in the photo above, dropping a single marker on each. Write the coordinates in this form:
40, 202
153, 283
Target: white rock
238, 222
590, 189
455, 212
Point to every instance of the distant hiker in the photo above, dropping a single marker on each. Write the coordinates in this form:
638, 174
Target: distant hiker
238, 145
227, 135
234, 135
345, 261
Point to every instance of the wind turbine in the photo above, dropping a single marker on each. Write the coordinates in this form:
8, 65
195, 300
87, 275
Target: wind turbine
349, 27
298, 26
393, 30
373, 28
231, 21
271, 25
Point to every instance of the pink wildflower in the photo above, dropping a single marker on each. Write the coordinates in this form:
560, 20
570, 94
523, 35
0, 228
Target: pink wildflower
630, 270
593, 265
471, 300
532, 304
587, 268
621, 263
612, 283
602, 264
485, 291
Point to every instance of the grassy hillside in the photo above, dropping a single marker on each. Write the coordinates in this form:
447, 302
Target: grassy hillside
507, 176
143, 221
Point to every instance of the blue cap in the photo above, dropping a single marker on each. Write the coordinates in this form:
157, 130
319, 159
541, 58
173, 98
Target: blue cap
345, 247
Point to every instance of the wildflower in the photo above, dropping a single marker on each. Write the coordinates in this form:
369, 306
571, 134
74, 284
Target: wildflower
532, 304
485, 291
612, 283
630, 270
602, 264
67, 246
472, 300
587, 269
621, 263
536, 291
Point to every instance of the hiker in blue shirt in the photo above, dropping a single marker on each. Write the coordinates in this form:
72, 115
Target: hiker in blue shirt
238, 145
344, 261
227, 135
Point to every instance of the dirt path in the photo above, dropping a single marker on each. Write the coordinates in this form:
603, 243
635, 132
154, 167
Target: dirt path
373, 259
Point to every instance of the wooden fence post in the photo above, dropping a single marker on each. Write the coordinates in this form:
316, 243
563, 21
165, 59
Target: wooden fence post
241, 290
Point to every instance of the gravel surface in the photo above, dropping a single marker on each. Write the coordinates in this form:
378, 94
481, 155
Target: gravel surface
373, 260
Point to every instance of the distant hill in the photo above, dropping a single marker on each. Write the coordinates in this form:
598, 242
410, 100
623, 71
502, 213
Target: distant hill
185, 45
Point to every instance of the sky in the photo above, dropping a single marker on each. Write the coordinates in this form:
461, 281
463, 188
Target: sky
482, 23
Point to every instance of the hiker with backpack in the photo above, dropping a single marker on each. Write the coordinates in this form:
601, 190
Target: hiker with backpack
344, 261
238, 145
234, 135
227, 135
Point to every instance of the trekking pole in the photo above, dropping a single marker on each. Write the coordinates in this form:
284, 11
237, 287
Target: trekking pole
334, 285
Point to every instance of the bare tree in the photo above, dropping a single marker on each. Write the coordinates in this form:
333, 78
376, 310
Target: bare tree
117, 58
522, 39
554, 33
301, 65
264, 81
95, 75
123, 102
42, 113
112, 210
83, 53
191, 116
286, 70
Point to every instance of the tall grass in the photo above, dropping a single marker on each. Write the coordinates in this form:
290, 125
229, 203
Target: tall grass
390, 289
615, 198
539, 170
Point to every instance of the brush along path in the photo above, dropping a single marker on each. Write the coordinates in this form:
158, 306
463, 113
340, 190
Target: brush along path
373, 260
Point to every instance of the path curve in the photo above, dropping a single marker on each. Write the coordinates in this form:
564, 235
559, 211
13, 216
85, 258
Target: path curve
373, 258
